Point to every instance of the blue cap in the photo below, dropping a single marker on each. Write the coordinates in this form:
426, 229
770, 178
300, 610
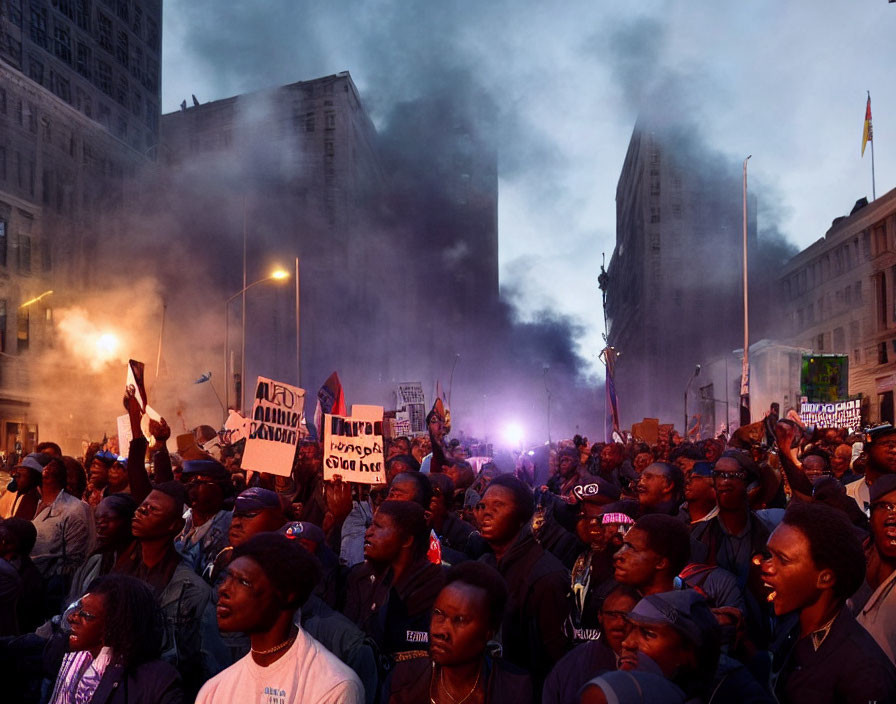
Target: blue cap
256, 499
702, 469
210, 468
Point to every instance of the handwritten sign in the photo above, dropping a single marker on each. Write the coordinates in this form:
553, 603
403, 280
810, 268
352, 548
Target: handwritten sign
274, 427
236, 428
840, 414
353, 446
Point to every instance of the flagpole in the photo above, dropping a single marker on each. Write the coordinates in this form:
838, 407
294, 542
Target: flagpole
745, 372
873, 186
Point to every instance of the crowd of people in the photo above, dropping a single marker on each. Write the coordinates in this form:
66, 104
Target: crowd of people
756, 568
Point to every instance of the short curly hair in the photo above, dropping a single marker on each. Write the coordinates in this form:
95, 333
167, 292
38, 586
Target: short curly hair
487, 578
289, 567
833, 543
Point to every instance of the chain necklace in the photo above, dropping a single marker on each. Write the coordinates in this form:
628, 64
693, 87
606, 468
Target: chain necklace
276, 648
442, 686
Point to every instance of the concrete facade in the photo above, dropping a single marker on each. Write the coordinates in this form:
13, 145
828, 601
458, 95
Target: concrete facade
674, 289
102, 57
839, 296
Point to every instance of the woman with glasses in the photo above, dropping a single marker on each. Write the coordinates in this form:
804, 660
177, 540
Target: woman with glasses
113, 648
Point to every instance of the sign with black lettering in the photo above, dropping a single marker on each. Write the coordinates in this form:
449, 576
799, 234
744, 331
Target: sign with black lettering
353, 446
274, 427
838, 414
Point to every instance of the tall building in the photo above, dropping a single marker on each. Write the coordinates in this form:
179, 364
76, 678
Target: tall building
674, 287
839, 296
79, 97
380, 227
103, 57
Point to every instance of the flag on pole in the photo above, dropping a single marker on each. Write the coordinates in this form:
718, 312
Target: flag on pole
330, 399
867, 133
611, 416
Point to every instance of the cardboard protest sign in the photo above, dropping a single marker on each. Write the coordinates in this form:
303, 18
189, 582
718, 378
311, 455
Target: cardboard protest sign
353, 446
236, 428
648, 430
274, 427
411, 402
840, 414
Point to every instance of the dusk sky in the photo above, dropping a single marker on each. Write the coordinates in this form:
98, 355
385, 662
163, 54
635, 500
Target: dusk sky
785, 82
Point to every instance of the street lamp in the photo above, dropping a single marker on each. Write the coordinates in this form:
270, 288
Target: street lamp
276, 275
686, 391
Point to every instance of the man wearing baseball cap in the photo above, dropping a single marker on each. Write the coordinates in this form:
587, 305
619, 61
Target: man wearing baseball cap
23, 502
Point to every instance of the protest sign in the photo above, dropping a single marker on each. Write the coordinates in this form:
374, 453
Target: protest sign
411, 402
839, 414
353, 446
236, 428
274, 427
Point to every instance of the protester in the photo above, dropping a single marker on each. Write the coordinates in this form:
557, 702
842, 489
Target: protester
589, 659
17, 538
653, 552
592, 572
206, 523
466, 615
23, 501
699, 494
659, 489
874, 604
390, 595
180, 592
63, 533
537, 583
268, 579
114, 648
814, 562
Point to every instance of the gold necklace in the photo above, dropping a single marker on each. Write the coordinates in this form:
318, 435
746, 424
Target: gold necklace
442, 686
276, 648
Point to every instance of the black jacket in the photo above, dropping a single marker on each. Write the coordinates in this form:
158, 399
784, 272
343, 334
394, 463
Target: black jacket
395, 615
537, 607
848, 668
411, 679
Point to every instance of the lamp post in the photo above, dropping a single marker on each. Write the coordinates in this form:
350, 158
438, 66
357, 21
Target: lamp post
277, 275
686, 391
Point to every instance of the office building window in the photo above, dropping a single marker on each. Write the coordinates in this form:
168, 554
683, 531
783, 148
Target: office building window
152, 34
39, 26
35, 70
309, 122
104, 77
3, 231
82, 14
3, 323
104, 31
83, 59
2, 163
122, 7
331, 120
63, 89
23, 253
121, 93
137, 24
23, 331
121, 49
67, 8
62, 43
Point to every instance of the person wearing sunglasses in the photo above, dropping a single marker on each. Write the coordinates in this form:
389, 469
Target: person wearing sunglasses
874, 605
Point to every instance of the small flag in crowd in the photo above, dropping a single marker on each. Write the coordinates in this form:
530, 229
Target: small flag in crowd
867, 132
330, 399
204, 378
434, 554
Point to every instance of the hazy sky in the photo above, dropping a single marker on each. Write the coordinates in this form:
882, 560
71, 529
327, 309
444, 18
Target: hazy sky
785, 82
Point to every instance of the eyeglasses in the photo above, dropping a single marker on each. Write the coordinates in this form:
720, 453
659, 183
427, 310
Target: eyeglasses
719, 474
79, 612
887, 506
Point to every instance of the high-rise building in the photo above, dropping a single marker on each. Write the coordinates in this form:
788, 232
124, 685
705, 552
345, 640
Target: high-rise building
103, 57
79, 114
674, 287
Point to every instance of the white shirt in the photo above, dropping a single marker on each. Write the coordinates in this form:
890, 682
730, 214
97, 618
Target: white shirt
307, 674
860, 493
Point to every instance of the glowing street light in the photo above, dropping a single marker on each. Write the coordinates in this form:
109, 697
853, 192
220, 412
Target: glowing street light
277, 275
513, 435
107, 344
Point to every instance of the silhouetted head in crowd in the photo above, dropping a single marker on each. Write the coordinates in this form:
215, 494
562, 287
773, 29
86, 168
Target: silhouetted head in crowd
506, 506
76, 477
411, 486
160, 516
255, 511
399, 464
653, 553
398, 534
467, 614
17, 538
816, 464
49, 448
660, 484
268, 578
114, 515
120, 613
613, 611
814, 559
677, 631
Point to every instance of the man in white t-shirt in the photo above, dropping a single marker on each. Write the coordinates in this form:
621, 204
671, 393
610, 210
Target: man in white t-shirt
270, 577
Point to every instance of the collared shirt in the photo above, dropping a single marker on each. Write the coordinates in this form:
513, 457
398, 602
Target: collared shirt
63, 536
878, 613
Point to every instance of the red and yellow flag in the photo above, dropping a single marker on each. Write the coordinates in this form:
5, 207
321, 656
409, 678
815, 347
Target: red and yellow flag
867, 134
